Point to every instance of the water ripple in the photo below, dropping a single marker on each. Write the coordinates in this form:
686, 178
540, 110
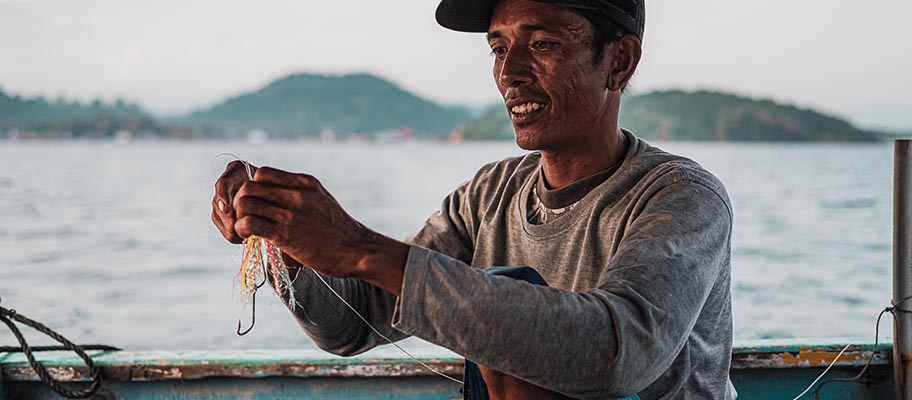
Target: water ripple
114, 243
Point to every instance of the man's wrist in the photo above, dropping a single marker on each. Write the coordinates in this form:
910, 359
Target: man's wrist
382, 263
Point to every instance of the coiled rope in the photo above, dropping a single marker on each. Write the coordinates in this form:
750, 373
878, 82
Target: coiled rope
8, 315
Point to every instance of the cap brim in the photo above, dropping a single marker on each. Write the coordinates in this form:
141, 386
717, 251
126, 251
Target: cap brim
475, 15
465, 15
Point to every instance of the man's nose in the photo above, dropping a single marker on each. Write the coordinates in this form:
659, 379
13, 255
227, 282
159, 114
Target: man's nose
515, 68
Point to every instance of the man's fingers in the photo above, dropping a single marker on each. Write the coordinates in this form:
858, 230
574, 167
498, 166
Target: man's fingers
251, 205
287, 179
238, 166
256, 225
226, 230
272, 193
236, 173
223, 196
225, 215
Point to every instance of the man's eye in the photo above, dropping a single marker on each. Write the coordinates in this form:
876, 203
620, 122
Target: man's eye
499, 52
542, 45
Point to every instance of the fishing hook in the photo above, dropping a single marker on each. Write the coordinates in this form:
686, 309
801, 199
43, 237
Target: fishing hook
252, 308
252, 317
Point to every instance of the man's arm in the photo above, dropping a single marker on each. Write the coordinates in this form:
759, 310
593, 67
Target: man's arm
623, 334
611, 341
331, 324
280, 196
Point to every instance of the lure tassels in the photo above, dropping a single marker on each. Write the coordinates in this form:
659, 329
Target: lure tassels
262, 261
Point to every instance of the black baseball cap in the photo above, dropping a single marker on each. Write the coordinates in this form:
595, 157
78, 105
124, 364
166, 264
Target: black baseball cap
475, 15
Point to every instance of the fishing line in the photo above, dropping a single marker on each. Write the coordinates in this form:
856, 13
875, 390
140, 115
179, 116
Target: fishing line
292, 298
893, 309
382, 335
824, 373
220, 155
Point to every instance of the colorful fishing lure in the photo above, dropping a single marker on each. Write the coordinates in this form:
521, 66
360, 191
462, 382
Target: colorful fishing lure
262, 261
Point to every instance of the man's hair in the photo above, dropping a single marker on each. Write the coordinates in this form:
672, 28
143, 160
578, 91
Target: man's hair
604, 32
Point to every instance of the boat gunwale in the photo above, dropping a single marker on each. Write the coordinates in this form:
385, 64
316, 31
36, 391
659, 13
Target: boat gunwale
258, 364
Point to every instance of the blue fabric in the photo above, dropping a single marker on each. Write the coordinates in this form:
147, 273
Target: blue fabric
473, 387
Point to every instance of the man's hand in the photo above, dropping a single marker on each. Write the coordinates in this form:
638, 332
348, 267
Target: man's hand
296, 213
224, 215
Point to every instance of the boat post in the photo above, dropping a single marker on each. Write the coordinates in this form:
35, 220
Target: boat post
902, 268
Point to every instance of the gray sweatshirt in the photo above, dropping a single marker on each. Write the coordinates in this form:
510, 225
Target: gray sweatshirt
639, 275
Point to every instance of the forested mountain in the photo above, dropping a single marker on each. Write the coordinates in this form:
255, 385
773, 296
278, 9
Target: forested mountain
65, 119
306, 104
703, 116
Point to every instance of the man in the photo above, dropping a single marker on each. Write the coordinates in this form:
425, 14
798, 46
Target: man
633, 242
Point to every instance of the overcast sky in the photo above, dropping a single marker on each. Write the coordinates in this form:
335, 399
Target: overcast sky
171, 56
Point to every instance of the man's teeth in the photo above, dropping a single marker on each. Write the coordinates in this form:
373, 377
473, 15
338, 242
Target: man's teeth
526, 108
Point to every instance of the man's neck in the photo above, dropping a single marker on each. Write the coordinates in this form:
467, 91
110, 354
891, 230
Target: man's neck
565, 166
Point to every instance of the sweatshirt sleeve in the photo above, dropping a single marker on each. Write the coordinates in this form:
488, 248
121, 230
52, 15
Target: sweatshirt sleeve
331, 324
334, 327
611, 341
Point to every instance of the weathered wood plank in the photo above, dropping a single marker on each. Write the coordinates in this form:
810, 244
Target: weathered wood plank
768, 369
809, 353
408, 388
170, 368
182, 365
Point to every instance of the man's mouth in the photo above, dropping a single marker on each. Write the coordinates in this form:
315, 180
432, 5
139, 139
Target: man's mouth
526, 108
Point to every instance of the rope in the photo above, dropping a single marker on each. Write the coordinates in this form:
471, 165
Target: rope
87, 347
8, 315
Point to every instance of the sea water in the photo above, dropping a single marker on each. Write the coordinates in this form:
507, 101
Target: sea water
113, 243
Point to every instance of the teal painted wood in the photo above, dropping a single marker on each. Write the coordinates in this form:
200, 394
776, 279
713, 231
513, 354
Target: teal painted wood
798, 353
770, 369
785, 384
783, 368
745, 354
409, 388
772, 345
194, 357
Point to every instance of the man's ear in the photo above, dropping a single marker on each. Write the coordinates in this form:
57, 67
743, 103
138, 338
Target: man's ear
623, 56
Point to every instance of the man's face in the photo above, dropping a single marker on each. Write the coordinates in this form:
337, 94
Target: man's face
544, 69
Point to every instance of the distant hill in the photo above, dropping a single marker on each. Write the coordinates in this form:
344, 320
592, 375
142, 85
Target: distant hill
494, 124
61, 118
703, 116
897, 133
306, 104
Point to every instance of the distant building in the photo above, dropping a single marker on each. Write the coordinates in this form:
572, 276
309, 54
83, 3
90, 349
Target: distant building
456, 137
328, 135
257, 136
123, 136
